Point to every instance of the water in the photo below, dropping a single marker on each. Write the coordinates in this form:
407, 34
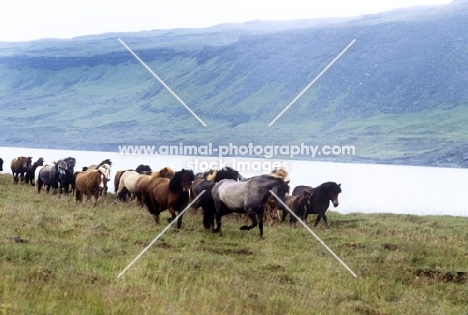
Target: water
367, 188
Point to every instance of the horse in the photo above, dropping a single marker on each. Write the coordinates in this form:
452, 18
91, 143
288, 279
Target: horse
50, 175
246, 197
1, 165
92, 167
215, 176
270, 204
30, 172
206, 200
299, 189
319, 201
171, 194
67, 182
142, 183
127, 182
91, 182
123, 194
19, 166
299, 205
143, 169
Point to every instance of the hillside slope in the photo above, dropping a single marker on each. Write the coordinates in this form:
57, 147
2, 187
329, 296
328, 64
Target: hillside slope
398, 94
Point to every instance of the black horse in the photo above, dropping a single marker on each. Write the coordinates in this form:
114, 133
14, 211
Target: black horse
319, 201
30, 171
67, 180
51, 175
1, 164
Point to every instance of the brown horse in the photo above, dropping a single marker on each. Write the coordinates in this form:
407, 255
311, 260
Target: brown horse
19, 166
91, 182
171, 194
270, 205
143, 181
103, 191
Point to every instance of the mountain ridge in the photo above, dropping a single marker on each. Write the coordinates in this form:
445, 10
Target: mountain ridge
398, 94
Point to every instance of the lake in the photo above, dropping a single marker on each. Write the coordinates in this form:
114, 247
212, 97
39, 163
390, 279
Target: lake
367, 188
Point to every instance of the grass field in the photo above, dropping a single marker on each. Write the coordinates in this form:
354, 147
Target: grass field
57, 257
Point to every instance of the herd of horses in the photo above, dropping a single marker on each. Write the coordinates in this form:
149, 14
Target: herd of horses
217, 192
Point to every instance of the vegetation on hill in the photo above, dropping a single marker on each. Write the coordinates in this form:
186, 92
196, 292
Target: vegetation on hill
398, 94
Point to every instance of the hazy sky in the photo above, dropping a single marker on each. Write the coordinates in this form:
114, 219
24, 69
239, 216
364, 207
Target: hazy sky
23, 20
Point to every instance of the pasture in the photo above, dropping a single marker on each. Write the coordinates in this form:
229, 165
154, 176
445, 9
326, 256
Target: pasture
59, 257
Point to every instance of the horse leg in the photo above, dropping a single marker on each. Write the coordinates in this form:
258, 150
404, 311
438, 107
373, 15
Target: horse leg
325, 220
78, 195
253, 217
260, 223
218, 225
96, 196
317, 221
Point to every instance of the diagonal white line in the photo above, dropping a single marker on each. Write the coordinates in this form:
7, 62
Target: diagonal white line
312, 232
313, 81
162, 82
163, 231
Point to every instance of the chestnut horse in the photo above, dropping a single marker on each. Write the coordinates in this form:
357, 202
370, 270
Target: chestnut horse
103, 191
19, 166
91, 182
143, 181
171, 194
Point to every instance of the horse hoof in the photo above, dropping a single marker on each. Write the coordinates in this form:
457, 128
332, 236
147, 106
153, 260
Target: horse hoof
169, 220
245, 227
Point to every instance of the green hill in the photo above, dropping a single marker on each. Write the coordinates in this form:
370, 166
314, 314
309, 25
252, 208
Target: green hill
398, 94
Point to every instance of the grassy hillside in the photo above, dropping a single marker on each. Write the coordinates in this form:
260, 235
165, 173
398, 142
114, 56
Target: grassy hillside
398, 94
57, 257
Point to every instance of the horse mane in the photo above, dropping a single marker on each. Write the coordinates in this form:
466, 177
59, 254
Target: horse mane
336, 188
212, 175
144, 169
281, 173
224, 173
157, 174
174, 183
106, 161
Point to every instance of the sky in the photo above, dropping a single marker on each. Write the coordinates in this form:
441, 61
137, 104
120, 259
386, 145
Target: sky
25, 20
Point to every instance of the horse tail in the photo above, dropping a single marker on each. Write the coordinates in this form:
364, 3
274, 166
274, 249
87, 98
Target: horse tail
117, 180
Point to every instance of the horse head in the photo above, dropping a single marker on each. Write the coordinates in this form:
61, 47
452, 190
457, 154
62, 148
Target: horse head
39, 162
182, 181
334, 190
105, 170
61, 167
